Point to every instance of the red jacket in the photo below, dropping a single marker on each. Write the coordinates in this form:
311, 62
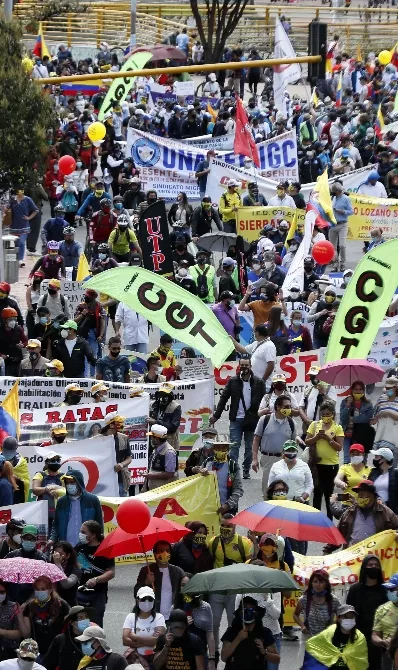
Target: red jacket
50, 177
101, 226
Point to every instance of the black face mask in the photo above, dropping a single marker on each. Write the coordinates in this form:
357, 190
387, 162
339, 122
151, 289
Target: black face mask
74, 398
33, 357
87, 299
180, 246
376, 462
60, 438
52, 291
373, 572
54, 467
308, 268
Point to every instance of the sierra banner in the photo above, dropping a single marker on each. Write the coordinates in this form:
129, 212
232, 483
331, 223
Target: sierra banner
120, 87
364, 304
169, 166
173, 309
372, 213
95, 458
187, 499
155, 240
221, 172
38, 397
250, 220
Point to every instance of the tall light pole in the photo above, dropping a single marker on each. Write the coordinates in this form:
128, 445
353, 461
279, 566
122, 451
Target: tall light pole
133, 24
8, 7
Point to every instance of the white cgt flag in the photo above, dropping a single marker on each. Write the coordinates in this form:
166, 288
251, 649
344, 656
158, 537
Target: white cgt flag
295, 273
283, 74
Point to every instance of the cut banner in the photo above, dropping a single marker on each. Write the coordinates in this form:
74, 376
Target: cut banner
364, 304
169, 166
188, 499
179, 313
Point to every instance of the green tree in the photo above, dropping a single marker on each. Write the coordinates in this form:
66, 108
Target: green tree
216, 24
25, 112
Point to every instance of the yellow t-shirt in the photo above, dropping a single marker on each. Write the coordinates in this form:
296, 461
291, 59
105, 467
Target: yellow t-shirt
326, 453
352, 477
231, 550
386, 620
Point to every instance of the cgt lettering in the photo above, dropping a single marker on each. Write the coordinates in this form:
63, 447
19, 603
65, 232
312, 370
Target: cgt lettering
177, 315
357, 318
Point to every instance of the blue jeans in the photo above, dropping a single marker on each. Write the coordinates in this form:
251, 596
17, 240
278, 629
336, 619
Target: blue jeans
236, 432
122, 492
20, 243
346, 449
141, 347
278, 644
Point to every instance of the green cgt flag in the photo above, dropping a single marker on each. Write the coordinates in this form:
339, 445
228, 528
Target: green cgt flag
364, 304
176, 311
120, 87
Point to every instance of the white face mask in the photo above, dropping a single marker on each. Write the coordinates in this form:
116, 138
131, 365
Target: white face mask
268, 265
256, 266
347, 624
356, 460
12, 323
146, 605
17, 539
64, 333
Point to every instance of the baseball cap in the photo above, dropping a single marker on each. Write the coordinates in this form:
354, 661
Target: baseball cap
165, 388
314, 370
96, 633
73, 387
114, 417
392, 582
391, 381
357, 447
384, 452
228, 261
136, 391
145, 592
279, 377
345, 153
209, 430
70, 324
28, 649
365, 485
52, 455
158, 431
55, 283
233, 182
32, 344
55, 363
345, 609
59, 429
289, 444
30, 529
99, 387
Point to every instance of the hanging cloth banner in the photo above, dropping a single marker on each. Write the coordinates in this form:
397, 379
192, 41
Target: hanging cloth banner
155, 240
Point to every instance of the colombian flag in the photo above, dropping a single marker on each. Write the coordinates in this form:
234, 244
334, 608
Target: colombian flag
212, 112
9, 414
379, 125
89, 87
40, 48
339, 91
321, 202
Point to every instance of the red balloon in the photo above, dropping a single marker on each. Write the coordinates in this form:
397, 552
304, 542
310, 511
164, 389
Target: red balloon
67, 164
133, 516
323, 252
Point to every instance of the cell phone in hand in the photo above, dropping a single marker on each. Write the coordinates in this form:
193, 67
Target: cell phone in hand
341, 497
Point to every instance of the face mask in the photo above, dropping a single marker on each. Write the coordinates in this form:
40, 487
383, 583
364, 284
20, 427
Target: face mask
74, 398
319, 593
52, 291
296, 322
329, 298
268, 265
226, 533
206, 205
377, 462
390, 392
83, 539
201, 261
363, 502
249, 615
356, 460
53, 467
17, 538
392, 596
41, 596
293, 248
55, 168
87, 648
12, 323
256, 266
163, 556
348, 624
279, 495
146, 605
43, 320
200, 539
220, 456
33, 356
8, 455
99, 194
79, 164
28, 545
25, 664
268, 550
59, 438
290, 455
308, 268
347, 280
327, 419
286, 411
72, 489
64, 333
373, 572
358, 396
82, 624
119, 205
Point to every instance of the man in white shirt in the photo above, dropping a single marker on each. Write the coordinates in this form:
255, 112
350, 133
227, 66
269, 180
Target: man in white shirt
135, 329
262, 353
27, 653
372, 187
39, 71
294, 472
282, 199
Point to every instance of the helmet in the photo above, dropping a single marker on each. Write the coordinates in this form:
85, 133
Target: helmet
59, 209
69, 230
103, 247
123, 220
105, 202
53, 245
15, 522
8, 313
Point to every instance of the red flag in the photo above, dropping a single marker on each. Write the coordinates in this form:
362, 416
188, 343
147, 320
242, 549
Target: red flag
244, 143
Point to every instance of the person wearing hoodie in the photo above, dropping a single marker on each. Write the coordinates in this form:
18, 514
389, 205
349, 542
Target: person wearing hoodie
52, 179
366, 596
73, 509
64, 652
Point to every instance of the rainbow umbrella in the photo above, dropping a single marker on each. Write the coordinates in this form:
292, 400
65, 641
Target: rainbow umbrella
291, 519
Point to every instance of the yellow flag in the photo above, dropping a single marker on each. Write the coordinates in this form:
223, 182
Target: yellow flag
44, 50
212, 112
359, 53
320, 197
83, 270
9, 412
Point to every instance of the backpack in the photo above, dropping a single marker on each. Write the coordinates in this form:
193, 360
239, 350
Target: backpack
266, 422
69, 201
45, 298
203, 289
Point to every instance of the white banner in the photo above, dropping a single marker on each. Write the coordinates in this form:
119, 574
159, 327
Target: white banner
184, 88
221, 143
169, 167
42, 393
221, 173
295, 273
72, 290
95, 458
195, 368
385, 344
35, 513
283, 74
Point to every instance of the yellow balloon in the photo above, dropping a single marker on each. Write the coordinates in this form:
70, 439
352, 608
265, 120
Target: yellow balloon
96, 131
27, 64
384, 57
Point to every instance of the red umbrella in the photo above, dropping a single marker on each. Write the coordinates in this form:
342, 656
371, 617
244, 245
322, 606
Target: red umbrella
349, 370
119, 543
160, 52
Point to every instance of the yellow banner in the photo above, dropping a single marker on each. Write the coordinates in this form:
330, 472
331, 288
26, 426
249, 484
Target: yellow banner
251, 220
372, 213
193, 498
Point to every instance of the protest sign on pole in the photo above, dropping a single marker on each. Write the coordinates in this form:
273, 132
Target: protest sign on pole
183, 500
120, 87
364, 304
179, 313
155, 240
95, 458
183, 89
72, 290
295, 273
